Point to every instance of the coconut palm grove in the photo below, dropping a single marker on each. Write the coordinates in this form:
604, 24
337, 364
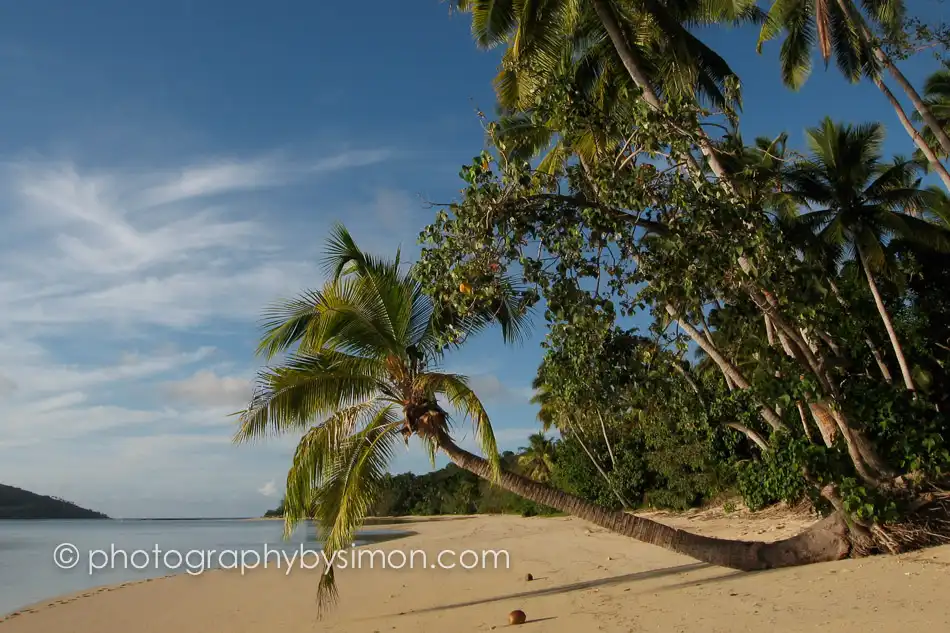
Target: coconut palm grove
723, 316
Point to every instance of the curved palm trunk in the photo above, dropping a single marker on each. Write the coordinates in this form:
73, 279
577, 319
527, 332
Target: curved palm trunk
823, 542
825, 423
630, 62
888, 324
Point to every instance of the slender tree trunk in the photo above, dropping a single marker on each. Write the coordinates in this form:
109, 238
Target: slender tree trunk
931, 122
769, 330
610, 451
593, 460
689, 380
824, 336
879, 359
826, 541
805, 426
768, 414
919, 104
708, 335
915, 135
632, 64
888, 324
757, 439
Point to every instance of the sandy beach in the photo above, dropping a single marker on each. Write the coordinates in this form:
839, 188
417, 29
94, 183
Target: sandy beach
585, 579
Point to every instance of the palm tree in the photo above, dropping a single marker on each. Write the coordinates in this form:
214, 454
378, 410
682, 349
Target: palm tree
363, 375
862, 203
537, 459
838, 29
548, 406
648, 42
938, 211
937, 98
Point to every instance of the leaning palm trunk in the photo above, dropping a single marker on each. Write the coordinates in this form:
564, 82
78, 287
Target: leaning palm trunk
728, 369
826, 541
630, 62
888, 324
920, 105
915, 135
878, 357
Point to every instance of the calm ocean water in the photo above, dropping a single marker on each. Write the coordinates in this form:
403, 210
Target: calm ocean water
29, 574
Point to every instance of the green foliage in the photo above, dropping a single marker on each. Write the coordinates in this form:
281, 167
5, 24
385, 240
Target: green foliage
867, 504
450, 490
918, 448
777, 476
575, 473
359, 377
785, 310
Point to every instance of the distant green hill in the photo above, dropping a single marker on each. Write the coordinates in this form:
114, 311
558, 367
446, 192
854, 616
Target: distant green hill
16, 503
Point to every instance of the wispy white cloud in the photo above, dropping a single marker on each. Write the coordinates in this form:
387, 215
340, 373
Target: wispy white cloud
206, 388
130, 301
111, 282
269, 489
221, 176
492, 389
217, 177
158, 247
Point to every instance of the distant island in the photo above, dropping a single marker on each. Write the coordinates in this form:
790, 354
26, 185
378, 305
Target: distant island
16, 503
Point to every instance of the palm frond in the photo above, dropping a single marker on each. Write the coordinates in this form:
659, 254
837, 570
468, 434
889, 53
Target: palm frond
349, 486
461, 397
307, 387
492, 20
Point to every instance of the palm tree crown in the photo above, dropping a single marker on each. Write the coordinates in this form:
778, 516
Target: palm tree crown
937, 97
834, 27
862, 204
537, 459
363, 376
861, 201
549, 37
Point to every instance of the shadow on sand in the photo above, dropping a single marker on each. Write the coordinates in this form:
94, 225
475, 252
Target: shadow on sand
414, 519
577, 586
372, 538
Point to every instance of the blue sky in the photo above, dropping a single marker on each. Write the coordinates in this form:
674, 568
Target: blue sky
170, 167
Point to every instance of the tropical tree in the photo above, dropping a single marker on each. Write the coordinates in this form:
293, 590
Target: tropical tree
861, 202
361, 375
537, 458
937, 98
647, 41
838, 28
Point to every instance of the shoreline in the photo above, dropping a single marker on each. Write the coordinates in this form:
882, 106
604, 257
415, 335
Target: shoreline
364, 538
585, 579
